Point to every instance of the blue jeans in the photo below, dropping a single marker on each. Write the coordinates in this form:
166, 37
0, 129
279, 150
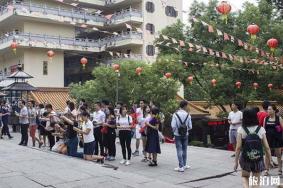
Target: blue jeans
181, 146
72, 148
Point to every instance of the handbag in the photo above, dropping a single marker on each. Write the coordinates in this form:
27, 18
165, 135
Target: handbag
104, 130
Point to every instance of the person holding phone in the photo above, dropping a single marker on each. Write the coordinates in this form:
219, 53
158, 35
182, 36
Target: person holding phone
124, 125
24, 122
88, 138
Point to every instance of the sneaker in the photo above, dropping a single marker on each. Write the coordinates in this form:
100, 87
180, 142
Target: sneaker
178, 169
153, 163
127, 163
187, 167
123, 161
136, 153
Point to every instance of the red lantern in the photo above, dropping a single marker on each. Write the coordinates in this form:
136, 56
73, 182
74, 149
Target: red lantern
238, 84
14, 46
253, 29
224, 8
168, 75
213, 82
116, 67
255, 85
138, 71
190, 79
272, 43
83, 62
270, 86
50, 54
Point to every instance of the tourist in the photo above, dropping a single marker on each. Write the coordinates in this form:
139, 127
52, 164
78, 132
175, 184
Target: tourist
110, 135
98, 119
5, 119
60, 133
181, 124
51, 120
32, 123
117, 108
105, 107
143, 132
71, 135
251, 138
24, 122
124, 125
235, 120
152, 143
273, 125
72, 109
42, 124
88, 137
14, 119
263, 114
140, 112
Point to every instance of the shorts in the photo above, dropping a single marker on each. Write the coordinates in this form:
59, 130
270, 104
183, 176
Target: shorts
89, 148
233, 136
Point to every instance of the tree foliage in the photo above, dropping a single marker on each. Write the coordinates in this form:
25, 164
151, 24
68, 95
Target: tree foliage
227, 73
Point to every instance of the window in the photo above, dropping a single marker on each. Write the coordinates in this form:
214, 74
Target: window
45, 67
170, 11
149, 7
150, 27
150, 51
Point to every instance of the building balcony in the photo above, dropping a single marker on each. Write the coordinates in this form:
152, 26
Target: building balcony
130, 38
103, 4
122, 57
28, 40
51, 14
126, 16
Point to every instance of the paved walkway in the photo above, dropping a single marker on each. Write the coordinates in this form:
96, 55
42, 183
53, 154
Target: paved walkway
27, 167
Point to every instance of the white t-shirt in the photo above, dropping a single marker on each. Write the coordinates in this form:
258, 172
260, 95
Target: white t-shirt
124, 121
252, 129
99, 117
235, 118
139, 113
88, 137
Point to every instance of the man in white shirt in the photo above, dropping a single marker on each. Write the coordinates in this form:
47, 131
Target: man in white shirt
24, 122
181, 117
98, 119
235, 120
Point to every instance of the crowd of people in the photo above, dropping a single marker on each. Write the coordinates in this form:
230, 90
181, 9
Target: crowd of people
256, 135
98, 129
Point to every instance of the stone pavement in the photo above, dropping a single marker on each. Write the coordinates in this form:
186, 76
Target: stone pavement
27, 167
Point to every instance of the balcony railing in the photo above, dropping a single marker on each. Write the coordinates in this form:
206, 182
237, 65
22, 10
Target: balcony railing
128, 13
113, 59
47, 41
20, 7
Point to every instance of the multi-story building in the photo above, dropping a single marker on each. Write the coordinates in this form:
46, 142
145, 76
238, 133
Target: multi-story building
100, 30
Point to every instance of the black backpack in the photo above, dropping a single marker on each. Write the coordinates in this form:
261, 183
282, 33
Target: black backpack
252, 146
183, 128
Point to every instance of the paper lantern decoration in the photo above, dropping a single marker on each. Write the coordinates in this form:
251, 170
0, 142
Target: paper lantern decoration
213, 82
83, 62
270, 86
238, 84
190, 79
50, 54
138, 71
14, 46
253, 29
168, 75
116, 67
272, 44
255, 85
224, 8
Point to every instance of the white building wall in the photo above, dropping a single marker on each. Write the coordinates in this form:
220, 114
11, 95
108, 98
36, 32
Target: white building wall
33, 65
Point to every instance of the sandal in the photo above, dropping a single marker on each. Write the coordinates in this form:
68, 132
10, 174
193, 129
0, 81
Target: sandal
266, 173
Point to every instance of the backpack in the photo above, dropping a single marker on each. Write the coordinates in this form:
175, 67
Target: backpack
252, 146
183, 128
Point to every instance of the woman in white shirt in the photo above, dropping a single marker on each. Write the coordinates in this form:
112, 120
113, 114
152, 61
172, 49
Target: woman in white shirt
251, 164
124, 125
88, 138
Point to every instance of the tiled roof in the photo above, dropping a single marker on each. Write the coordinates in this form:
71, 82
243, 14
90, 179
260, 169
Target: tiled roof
55, 96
